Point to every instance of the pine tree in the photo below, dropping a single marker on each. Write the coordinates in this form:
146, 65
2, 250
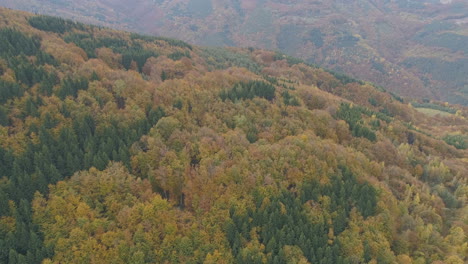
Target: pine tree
13, 257
367, 252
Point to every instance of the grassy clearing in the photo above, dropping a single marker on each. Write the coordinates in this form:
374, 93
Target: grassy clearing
432, 112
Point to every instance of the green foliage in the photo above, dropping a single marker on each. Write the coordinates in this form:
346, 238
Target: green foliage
94, 77
178, 104
220, 58
23, 244
434, 106
26, 72
171, 42
31, 106
70, 87
163, 76
365, 132
275, 165
15, 47
372, 101
289, 99
396, 97
47, 84
83, 41
252, 134
113, 43
14, 43
53, 24
138, 55
352, 116
135, 225
384, 114
291, 60
89, 43
449, 199
375, 124
282, 220
343, 78
459, 141
3, 116
45, 58
55, 158
179, 55
249, 90
133, 52
9, 90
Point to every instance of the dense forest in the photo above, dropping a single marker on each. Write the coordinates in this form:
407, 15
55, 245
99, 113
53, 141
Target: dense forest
117, 147
415, 48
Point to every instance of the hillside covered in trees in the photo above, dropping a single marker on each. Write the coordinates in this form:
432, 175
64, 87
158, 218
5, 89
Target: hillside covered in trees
414, 48
123, 148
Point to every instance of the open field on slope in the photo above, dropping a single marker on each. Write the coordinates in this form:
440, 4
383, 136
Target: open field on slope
432, 112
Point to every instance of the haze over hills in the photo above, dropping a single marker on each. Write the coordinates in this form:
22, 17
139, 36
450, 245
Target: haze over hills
117, 147
413, 48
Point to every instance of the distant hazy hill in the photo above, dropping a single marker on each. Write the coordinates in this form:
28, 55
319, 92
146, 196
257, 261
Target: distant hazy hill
117, 147
414, 48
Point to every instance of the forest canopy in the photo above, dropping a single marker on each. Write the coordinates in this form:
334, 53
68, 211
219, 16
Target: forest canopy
122, 148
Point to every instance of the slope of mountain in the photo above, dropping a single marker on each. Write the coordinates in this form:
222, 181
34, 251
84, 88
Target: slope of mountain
413, 48
123, 148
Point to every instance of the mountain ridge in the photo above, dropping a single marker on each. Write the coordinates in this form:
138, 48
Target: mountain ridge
389, 46
117, 147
